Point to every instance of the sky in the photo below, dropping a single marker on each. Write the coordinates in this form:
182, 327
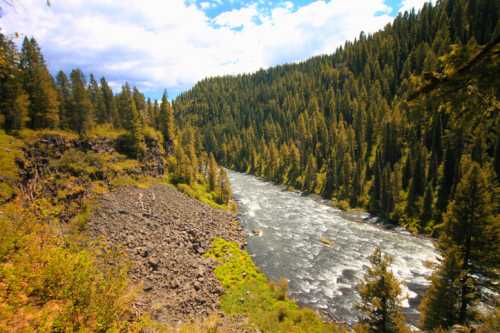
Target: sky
172, 44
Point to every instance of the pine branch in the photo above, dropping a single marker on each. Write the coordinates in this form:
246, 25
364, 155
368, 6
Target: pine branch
439, 81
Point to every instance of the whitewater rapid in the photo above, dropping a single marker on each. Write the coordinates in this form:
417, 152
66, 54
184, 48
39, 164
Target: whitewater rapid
284, 231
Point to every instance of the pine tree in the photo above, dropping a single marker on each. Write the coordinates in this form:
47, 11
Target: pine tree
136, 132
111, 113
14, 101
82, 113
140, 102
426, 215
131, 121
97, 100
310, 173
471, 227
380, 292
212, 173
224, 187
65, 98
295, 165
496, 160
439, 308
184, 172
167, 127
44, 104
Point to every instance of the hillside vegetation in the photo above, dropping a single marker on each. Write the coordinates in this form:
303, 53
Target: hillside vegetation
382, 124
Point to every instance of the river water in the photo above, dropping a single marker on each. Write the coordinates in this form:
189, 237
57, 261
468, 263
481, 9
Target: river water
284, 231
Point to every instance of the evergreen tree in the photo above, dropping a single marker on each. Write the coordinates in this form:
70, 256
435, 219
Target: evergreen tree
44, 104
439, 308
14, 101
310, 173
110, 110
166, 119
224, 187
184, 172
97, 100
131, 121
212, 173
82, 113
65, 98
426, 215
380, 292
471, 227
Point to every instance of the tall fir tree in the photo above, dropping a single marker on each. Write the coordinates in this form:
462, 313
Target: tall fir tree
14, 102
212, 173
43, 97
224, 187
471, 226
380, 293
131, 121
439, 308
97, 100
65, 100
111, 113
166, 119
82, 113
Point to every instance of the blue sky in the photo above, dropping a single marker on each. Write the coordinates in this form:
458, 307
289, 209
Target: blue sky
158, 44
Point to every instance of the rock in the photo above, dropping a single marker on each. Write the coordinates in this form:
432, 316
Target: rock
165, 238
326, 242
174, 284
144, 252
258, 232
148, 286
154, 263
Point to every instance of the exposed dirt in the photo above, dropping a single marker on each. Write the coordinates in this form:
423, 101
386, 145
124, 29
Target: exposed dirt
165, 234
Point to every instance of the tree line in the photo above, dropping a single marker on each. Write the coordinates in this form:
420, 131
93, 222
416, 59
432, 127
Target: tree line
30, 98
340, 126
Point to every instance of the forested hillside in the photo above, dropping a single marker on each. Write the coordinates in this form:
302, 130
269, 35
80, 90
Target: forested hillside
31, 99
389, 122
403, 123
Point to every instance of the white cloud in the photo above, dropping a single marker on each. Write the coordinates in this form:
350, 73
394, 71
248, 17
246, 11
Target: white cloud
407, 5
173, 44
237, 17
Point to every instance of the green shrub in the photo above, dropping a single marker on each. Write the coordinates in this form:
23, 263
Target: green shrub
105, 131
10, 150
49, 283
248, 293
341, 204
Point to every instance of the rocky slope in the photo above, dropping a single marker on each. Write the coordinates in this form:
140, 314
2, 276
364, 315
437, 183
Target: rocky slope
165, 233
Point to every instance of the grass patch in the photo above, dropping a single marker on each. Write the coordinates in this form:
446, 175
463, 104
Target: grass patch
201, 193
10, 150
265, 304
31, 136
106, 131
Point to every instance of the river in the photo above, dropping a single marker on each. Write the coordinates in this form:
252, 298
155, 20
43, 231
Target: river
289, 227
